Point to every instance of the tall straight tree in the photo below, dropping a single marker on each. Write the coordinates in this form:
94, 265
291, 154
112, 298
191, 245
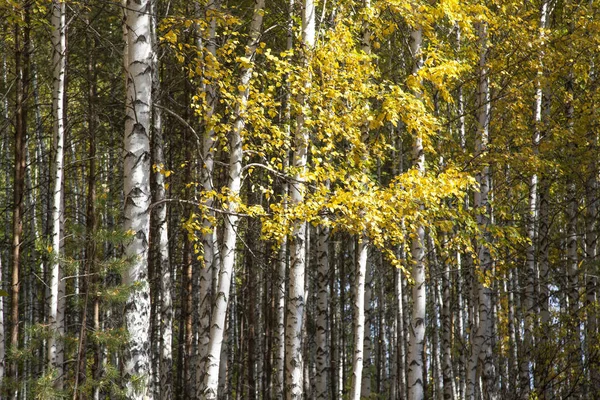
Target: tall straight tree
136, 162
416, 387
217, 326
295, 299
360, 270
58, 97
209, 233
482, 341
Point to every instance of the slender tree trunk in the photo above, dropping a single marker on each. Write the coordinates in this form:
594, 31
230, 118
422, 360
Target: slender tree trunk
295, 298
334, 337
211, 263
574, 348
532, 272
282, 262
59, 50
22, 88
482, 340
416, 384
446, 319
217, 325
359, 317
137, 194
591, 253
90, 278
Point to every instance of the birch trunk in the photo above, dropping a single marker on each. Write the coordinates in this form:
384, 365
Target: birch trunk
362, 315
136, 173
415, 360
211, 263
217, 325
359, 318
282, 262
322, 281
295, 298
58, 44
482, 340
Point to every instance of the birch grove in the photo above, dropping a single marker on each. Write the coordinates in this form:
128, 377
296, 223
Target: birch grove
299, 199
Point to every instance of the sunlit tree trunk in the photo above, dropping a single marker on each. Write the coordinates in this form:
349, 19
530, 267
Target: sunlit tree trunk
136, 160
359, 317
362, 299
482, 341
282, 261
295, 297
217, 325
209, 235
417, 322
59, 49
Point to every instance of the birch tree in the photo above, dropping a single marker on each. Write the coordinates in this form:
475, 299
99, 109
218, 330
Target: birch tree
415, 360
217, 326
136, 171
210, 246
359, 318
295, 298
59, 49
482, 341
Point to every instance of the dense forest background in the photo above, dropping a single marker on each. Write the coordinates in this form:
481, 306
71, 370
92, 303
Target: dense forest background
334, 199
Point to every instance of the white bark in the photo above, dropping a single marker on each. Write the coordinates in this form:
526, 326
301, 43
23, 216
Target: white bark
280, 288
482, 341
359, 318
58, 61
295, 298
417, 321
364, 388
137, 194
211, 263
217, 325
